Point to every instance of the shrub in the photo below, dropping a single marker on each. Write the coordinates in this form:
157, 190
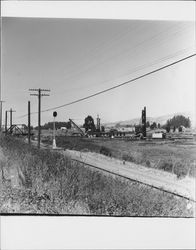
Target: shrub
105, 151
166, 166
180, 170
127, 157
148, 164
192, 169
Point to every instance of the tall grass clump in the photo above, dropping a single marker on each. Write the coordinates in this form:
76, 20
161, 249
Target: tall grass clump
165, 165
136, 157
181, 169
128, 157
105, 151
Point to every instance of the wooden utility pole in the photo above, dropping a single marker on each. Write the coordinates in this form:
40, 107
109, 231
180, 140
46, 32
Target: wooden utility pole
11, 111
144, 122
39, 94
98, 123
54, 129
39, 117
29, 123
6, 121
1, 102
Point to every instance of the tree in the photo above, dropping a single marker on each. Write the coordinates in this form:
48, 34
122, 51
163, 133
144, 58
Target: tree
102, 129
89, 124
167, 128
153, 126
147, 124
159, 125
117, 125
178, 121
180, 129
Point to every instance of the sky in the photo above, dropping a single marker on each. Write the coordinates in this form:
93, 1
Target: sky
75, 58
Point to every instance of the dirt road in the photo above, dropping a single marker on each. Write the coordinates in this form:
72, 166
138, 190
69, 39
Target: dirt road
157, 178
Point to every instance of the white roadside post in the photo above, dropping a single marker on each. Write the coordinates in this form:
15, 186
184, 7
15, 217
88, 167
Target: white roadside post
54, 140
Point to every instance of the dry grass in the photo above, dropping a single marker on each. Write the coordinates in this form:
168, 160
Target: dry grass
53, 184
179, 158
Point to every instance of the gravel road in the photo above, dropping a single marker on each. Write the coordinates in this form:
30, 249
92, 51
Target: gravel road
157, 178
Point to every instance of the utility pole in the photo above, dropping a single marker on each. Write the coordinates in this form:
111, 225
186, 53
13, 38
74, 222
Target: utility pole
29, 123
98, 123
39, 94
1, 102
11, 111
54, 140
144, 121
6, 121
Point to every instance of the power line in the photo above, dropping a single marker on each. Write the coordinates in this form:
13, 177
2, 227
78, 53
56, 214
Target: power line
91, 65
116, 86
96, 61
139, 68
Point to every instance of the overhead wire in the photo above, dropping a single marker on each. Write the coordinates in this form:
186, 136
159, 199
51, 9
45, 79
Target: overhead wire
131, 50
136, 69
103, 45
116, 86
120, 39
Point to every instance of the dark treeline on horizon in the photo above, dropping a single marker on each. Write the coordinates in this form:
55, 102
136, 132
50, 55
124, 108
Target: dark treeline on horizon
58, 125
176, 121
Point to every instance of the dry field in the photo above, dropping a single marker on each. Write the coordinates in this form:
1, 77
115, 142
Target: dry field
178, 157
45, 182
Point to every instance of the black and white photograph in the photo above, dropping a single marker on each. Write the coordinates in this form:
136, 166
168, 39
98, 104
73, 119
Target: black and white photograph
97, 117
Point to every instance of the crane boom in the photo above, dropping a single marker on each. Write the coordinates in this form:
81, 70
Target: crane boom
77, 127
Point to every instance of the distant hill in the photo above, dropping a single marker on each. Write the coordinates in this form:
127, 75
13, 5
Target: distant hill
160, 119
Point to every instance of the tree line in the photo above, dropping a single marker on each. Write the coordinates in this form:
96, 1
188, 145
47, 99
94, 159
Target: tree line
173, 123
89, 125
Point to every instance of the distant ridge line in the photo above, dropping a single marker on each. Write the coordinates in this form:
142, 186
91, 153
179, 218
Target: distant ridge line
158, 119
